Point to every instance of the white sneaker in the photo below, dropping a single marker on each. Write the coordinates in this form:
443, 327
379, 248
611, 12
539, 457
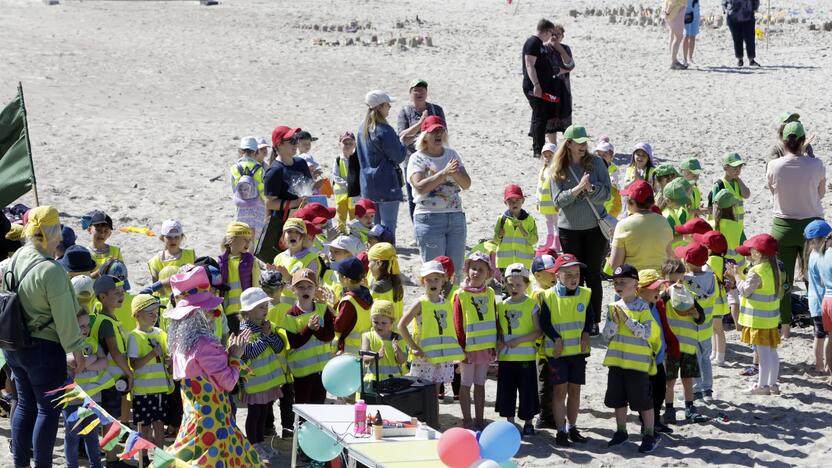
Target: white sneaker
774, 389
757, 390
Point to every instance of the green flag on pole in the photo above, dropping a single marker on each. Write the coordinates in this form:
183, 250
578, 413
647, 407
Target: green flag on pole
17, 173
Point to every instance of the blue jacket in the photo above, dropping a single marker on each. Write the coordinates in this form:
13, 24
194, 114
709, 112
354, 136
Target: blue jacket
819, 275
379, 155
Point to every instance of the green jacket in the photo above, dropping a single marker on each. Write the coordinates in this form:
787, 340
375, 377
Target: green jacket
45, 293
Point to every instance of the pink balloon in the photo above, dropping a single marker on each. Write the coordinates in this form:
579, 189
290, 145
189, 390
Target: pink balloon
458, 448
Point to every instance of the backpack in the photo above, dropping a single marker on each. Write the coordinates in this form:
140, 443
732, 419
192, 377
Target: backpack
14, 332
246, 191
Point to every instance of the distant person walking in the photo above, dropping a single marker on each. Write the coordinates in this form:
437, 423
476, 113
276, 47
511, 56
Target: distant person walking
674, 11
740, 19
538, 80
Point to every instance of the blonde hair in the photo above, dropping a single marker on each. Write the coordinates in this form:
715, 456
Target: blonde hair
422, 143
42, 237
561, 160
373, 119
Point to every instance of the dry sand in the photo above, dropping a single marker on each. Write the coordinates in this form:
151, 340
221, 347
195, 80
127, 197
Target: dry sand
135, 106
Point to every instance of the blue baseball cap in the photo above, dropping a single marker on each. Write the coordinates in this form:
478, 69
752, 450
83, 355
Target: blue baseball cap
77, 259
544, 263
817, 228
350, 267
118, 270
68, 238
248, 143
382, 233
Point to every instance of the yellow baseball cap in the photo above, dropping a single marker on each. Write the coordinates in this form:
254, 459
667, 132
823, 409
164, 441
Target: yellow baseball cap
142, 302
294, 224
382, 307
650, 279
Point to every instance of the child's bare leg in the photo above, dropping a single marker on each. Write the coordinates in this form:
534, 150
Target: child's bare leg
559, 393
479, 403
465, 404
573, 402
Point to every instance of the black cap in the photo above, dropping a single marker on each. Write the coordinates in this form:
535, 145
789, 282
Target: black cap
100, 217
304, 135
350, 267
626, 271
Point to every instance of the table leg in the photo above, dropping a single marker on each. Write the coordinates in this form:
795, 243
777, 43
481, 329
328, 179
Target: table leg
295, 442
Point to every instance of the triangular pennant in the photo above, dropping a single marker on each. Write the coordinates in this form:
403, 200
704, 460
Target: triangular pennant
111, 443
102, 415
140, 444
128, 446
70, 393
89, 427
65, 387
112, 433
80, 414
162, 459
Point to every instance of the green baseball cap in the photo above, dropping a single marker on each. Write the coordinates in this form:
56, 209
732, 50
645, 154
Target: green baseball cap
794, 128
725, 199
678, 190
663, 170
788, 116
418, 82
732, 159
692, 165
576, 133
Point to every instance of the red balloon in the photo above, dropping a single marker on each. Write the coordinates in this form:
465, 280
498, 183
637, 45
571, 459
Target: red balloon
458, 448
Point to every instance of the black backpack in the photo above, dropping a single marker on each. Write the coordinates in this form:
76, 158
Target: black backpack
14, 332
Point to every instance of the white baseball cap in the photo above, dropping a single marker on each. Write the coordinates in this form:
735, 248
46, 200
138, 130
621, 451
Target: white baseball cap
263, 143
83, 286
248, 143
550, 147
604, 146
377, 97
251, 298
517, 269
431, 267
351, 244
171, 227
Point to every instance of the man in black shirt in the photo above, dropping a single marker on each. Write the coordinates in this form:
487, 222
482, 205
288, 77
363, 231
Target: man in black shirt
537, 80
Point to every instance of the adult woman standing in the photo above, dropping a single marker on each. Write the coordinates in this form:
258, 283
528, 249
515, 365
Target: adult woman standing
560, 56
644, 238
438, 175
537, 80
797, 184
580, 178
410, 122
286, 185
674, 11
379, 153
49, 307
740, 19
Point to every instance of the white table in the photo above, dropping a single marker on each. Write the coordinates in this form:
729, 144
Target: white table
337, 422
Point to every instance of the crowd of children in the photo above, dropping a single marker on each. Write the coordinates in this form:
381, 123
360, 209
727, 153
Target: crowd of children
337, 288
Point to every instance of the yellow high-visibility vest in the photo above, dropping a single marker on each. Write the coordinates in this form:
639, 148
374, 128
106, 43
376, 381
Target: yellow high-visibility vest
92, 381
684, 328
717, 265
248, 165
545, 204
705, 330
398, 306
514, 247
435, 332
153, 377
761, 310
266, 371
739, 209
387, 365
293, 264
732, 230
568, 316
99, 258
479, 316
352, 344
341, 190
628, 352
96, 321
314, 354
155, 264
516, 320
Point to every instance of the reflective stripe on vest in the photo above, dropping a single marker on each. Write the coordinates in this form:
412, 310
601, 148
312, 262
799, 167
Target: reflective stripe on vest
545, 204
266, 372
153, 377
293, 264
387, 365
352, 344
684, 328
92, 381
739, 208
567, 315
479, 317
231, 302
341, 191
435, 329
761, 310
627, 351
156, 263
398, 306
514, 247
516, 320
314, 354
99, 319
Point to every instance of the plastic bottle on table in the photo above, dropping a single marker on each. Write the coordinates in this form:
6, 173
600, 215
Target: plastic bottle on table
360, 417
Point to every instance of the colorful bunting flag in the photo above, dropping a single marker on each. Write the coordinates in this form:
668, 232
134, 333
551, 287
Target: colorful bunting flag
113, 437
89, 427
128, 445
162, 459
65, 387
141, 444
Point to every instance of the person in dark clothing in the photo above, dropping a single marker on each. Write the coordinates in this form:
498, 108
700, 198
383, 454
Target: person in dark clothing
740, 19
560, 56
538, 78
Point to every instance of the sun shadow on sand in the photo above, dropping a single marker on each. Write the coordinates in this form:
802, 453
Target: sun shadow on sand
751, 70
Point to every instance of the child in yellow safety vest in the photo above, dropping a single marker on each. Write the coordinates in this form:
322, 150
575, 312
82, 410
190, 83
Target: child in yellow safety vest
261, 387
606, 151
760, 294
365, 212
173, 254
665, 174
92, 380
515, 232
566, 319
677, 199
475, 321
381, 339
247, 186
725, 221
100, 227
543, 270
518, 327
433, 341
341, 248
147, 350
732, 164
684, 318
345, 179
352, 317
272, 283
386, 282
296, 256
717, 246
634, 339
641, 167
545, 204
691, 168
239, 270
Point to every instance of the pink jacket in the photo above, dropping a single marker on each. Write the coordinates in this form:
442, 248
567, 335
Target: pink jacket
207, 359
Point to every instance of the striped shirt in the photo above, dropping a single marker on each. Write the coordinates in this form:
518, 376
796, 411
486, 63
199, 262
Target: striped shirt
256, 347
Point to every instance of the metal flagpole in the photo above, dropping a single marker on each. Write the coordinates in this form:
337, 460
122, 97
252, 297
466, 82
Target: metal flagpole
28, 143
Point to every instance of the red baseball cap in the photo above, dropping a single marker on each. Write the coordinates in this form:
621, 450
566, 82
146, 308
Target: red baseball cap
346, 136
368, 205
513, 191
639, 191
763, 243
359, 211
539, 252
695, 254
311, 228
364, 259
315, 210
447, 264
694, 226
281, 133
432, 122
713, 240
566, 260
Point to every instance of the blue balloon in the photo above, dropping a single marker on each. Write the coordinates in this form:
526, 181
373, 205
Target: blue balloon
508, 464
316, 444
499, 441
342, 375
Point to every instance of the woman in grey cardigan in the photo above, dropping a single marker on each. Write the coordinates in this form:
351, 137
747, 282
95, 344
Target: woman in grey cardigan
581, 178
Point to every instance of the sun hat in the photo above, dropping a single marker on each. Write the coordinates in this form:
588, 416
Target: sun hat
304, 275
248, 143
639, 191
794, 129
692, 164
77, 259
385, 251
644, 147
192, 291
82, 285
381, 233
714, 240
725, 199
694, 226
431, 266
478, 257
544, 263
418, 82
695, 254
346, 136
678, 190
104, 284
377, 97
787, 117
604, 146
349, 267
253, 297
383, 307
368, 205
262, 143
567, 260
763, 243
432, 123
141, 302
576, 133
732, 159
663, 170
238, 229
171, 227
447, 264
551, 147
351, 244
282, 133
295, 224
650, 279
68, 237
817, 228
167, 272
513, 191
315, 210
625, 271
517, 269
304, 135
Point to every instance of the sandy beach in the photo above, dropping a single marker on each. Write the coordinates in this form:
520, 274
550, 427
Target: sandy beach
136, 108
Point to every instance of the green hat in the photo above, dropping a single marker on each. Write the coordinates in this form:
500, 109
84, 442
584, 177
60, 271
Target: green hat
794, 128
678, 190
725, 199
663, 170
418, 82
732, 159
692, 165
788, 116
576, 133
